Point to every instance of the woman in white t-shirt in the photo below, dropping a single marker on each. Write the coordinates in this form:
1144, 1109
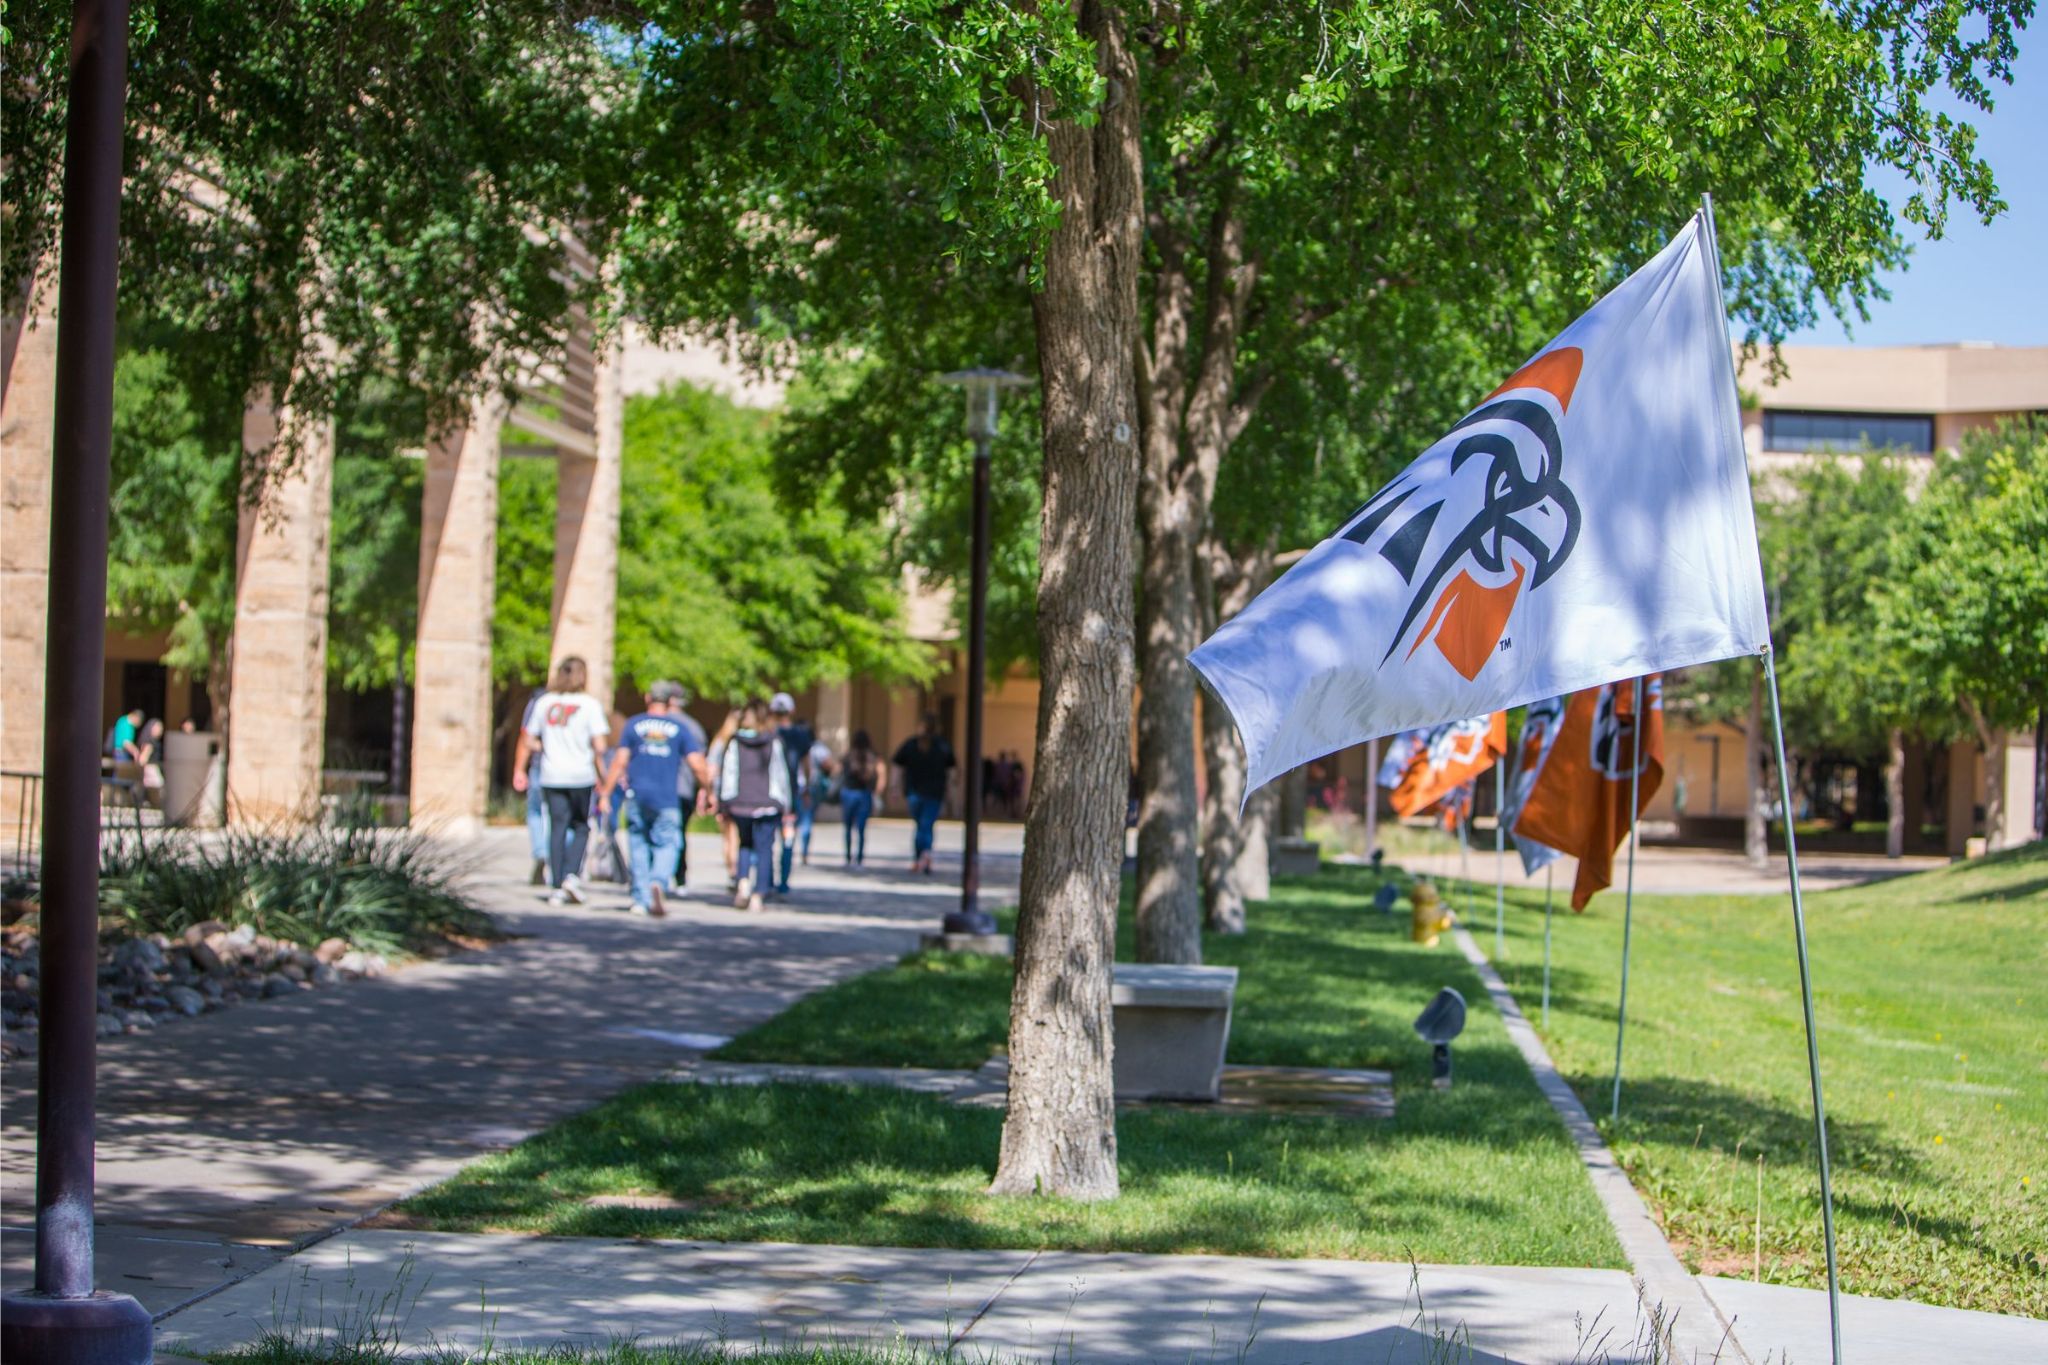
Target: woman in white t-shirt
568, 729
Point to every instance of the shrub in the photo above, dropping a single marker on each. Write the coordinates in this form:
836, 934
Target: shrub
385, 891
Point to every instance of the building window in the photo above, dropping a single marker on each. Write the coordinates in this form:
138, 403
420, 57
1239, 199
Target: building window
1847, 431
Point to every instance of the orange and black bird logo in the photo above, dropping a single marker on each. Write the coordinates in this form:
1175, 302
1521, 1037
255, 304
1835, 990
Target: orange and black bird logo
1488, 519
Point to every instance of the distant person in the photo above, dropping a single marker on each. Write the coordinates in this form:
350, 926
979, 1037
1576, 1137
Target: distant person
690, 784
728, 832
653, 747
863, 781
569, 729
796, 737
124, 741
536, 803
754, 788
150, 754
927, 762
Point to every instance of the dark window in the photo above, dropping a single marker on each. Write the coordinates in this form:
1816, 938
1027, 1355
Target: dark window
1847, 431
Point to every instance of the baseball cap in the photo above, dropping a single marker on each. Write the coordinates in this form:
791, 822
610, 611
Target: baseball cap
782, 704
664, 690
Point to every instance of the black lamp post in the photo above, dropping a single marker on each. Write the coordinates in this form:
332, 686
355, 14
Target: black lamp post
984, 388
62, 1321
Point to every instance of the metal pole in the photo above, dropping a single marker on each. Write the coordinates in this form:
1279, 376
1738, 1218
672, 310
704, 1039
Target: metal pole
977, 674
1820, 1118
1372, 796
1500, 866
62, 1319
1549, 879
1628, 901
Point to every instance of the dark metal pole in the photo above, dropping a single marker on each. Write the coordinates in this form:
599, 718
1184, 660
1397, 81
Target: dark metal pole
63, 1320
977, 676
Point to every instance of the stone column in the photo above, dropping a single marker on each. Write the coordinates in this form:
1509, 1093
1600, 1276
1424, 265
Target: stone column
277, 693
451, 737
1963, 789
587, 534
25, 435
834, 719
2019, 788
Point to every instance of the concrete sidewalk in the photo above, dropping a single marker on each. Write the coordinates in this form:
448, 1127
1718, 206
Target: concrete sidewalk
227, 1140
537, 1292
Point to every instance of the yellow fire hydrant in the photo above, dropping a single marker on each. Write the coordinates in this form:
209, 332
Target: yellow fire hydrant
1431, 916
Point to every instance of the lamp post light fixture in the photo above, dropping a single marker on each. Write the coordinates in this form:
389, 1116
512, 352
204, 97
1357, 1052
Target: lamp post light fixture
984, 386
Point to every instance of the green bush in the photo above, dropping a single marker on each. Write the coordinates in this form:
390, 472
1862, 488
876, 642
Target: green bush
385, 891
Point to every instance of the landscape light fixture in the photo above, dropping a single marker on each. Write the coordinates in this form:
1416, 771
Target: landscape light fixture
1441, 1021
984, 386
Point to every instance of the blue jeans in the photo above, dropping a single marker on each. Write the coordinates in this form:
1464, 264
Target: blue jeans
924, 810
854, 809
806, 816
654, 835
757, 847
536, 818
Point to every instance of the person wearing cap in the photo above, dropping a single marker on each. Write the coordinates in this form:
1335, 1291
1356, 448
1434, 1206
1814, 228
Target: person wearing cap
797, 741
652, 747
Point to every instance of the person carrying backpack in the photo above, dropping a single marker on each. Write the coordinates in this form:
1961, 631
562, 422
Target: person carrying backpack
755, 789
568, 729
863, 781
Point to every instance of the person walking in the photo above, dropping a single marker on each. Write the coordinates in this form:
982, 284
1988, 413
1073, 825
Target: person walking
863, 781
536, 803
927, 762
755, 790
653, 747
796, 738
569, 729
690, 782
728, 832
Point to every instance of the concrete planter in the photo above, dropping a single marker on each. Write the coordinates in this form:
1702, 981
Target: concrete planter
1296, 857
1172, 1024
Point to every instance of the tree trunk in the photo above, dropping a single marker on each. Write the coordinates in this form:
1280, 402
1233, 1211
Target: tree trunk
1236, 866
1059, 1134
1169, 891
1756, 763
1895, 795
1293, 804
1993, 743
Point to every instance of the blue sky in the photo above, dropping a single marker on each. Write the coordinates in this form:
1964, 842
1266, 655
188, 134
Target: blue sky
1978, 283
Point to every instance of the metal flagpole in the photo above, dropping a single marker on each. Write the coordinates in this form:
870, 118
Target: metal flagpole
1372, 796
1549, 879
1628, 901
1500, 866
1464, 861
1820, 1118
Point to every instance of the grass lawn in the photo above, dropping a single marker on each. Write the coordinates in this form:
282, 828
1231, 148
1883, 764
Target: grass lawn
289, 1351
1480, 1174
1932, 998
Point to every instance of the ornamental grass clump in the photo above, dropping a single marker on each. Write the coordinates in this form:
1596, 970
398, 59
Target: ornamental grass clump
384, 891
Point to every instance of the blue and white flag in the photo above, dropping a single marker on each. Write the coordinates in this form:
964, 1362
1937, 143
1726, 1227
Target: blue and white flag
1589, 520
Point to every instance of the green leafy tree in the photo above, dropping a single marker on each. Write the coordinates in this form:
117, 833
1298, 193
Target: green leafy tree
1965, 611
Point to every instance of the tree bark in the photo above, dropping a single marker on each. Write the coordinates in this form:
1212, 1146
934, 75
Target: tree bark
1059, 1134
1169, 891
1895, 794
1756, 764
1236, 867
1993, 743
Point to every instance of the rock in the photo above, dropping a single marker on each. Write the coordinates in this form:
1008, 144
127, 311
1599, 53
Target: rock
23, 1041
200, 932
210, 987
9, 1020
106, 999
242, 937
331, 949
324, 974
292, 971
155, 1004
306, 958
278, 985
185, 1000
207, 960
362, 963
138, 1019
142, 953
109, 1024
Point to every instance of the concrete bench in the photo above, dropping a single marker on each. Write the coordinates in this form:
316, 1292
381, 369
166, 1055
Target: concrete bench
1296, 857
1172, 1024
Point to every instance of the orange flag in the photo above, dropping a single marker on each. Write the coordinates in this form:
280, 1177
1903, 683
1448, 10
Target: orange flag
1579, 800
1450, 756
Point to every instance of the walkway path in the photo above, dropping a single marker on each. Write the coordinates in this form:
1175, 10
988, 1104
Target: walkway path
229, 1139
1082, 1309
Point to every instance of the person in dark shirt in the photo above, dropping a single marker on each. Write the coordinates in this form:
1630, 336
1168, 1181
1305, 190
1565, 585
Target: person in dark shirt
927, 763
797, 739
653, 747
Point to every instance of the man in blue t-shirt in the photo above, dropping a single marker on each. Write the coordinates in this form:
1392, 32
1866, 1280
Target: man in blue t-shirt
653, 748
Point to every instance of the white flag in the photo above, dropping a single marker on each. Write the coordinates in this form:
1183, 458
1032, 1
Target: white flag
1539, 733
1589, 520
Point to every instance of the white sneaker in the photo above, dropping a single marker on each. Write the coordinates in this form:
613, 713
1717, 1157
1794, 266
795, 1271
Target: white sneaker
639, 910
754, 903
572, 887
743, 893
558, 897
